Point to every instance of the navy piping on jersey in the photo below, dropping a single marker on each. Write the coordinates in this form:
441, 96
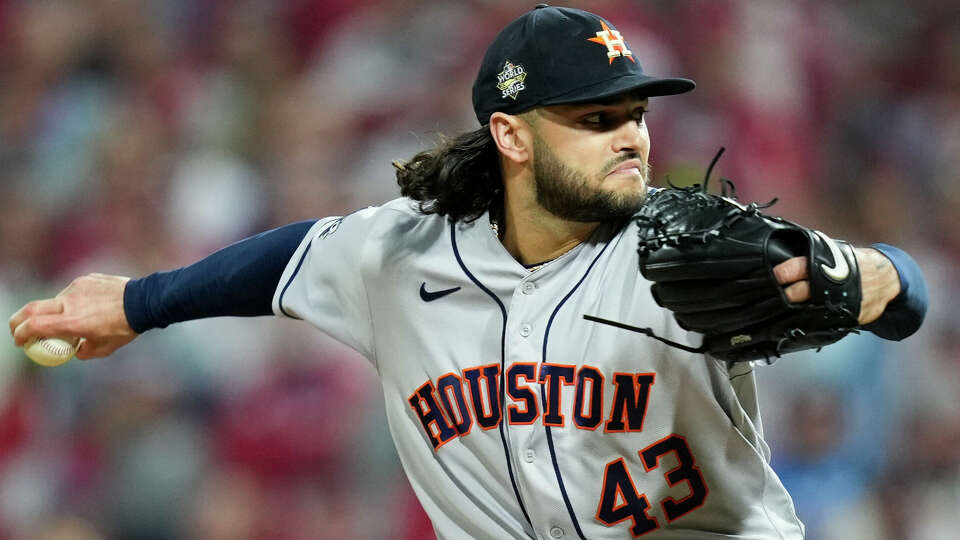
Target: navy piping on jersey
503, 367
543, 394
290, 281
326, 227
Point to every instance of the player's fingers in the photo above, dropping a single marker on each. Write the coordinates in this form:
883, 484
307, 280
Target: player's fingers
791, 270
43, 326
100, 347
87, 350
50, 306
798, 292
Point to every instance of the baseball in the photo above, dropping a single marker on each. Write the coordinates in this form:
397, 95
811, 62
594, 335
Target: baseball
51, 351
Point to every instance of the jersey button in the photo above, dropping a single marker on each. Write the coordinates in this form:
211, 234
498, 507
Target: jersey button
529, 456
528, 287
525, 329
556, 532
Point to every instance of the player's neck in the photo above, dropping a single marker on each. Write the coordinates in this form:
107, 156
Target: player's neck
533, 235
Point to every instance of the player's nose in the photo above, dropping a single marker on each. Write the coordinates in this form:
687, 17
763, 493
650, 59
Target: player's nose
631, 136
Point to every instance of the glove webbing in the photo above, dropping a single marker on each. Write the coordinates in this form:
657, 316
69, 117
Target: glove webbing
727, 190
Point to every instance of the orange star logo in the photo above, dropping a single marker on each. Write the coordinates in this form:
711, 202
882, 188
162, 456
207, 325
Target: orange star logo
613, 41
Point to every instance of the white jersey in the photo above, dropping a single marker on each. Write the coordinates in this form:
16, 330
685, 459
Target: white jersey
516, 418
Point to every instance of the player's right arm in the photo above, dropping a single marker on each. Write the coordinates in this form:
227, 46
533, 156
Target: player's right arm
111, 311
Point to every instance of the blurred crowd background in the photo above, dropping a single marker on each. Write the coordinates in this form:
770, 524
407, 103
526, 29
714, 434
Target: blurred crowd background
139, 135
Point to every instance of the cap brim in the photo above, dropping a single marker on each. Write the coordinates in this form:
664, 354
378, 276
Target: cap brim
643, 84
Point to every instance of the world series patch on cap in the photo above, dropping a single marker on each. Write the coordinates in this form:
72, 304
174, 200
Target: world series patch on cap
555, 55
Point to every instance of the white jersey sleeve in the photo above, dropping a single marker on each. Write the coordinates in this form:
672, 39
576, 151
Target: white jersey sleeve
323, 282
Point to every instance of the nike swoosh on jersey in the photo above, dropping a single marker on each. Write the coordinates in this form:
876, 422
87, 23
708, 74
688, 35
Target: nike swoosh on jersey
430, 296
840, 271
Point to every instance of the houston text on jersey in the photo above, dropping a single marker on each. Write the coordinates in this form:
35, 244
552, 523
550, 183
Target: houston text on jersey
450, 406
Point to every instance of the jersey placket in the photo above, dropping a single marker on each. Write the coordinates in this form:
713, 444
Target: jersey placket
529, 309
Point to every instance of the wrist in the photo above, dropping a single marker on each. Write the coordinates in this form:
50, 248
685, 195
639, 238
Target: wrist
879, 283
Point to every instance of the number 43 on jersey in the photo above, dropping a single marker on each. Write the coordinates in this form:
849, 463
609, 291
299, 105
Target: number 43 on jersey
619, 499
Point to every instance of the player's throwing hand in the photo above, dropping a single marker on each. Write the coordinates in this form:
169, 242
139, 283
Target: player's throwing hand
91, 307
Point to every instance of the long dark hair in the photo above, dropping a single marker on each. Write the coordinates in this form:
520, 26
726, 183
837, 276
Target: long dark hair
459, 178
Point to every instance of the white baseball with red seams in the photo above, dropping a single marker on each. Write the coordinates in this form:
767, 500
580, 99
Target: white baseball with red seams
51, 351
516, 418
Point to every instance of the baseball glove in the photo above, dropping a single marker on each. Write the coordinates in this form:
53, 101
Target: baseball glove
711, 262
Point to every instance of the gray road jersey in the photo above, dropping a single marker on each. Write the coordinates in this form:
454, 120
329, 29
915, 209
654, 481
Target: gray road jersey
516, 418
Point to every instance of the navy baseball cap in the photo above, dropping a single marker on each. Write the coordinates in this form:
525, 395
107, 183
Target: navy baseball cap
555, 55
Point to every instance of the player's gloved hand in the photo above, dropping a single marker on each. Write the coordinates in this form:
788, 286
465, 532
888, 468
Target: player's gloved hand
879, 282
711, 260
91, 307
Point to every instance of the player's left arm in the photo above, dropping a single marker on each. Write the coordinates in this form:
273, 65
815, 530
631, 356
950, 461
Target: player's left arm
895, 296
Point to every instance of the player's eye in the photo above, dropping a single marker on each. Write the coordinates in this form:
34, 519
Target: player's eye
638, 115
596, 119
610, 120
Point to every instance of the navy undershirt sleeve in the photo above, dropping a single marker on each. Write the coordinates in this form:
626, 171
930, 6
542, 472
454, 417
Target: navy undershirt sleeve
238, 280
905, 313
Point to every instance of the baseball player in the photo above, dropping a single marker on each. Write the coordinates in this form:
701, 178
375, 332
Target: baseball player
513, 416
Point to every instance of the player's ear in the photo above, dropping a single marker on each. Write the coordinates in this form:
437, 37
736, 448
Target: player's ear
513, 136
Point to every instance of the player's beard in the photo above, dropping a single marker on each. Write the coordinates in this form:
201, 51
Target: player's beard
571, 195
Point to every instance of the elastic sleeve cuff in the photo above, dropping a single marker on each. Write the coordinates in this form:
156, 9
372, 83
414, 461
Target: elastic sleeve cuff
135, 306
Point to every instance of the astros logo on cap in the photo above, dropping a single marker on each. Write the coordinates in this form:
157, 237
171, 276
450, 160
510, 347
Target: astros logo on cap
614, 42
